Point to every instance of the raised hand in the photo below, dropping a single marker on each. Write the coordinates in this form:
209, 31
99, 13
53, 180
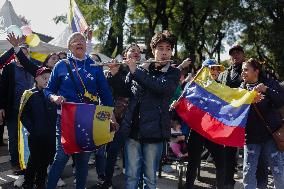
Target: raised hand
185, 64
258, 97
15, 41
261, 88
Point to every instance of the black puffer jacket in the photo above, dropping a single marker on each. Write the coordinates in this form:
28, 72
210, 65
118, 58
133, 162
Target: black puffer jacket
256, 131
152, 90
39, 116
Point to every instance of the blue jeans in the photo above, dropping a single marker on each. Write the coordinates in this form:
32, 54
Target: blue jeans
101, 161
142, 159
113, 148
12, 126
272, 156
60, 160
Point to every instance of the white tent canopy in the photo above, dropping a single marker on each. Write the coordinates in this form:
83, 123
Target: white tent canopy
61, 40
9, 17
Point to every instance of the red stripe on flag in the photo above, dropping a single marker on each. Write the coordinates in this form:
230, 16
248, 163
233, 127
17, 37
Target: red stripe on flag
208, 126
68, 138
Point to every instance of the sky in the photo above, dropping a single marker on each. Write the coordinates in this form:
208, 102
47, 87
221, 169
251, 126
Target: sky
40, 13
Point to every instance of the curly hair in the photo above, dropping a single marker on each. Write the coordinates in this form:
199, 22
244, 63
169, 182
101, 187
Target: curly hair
164, 36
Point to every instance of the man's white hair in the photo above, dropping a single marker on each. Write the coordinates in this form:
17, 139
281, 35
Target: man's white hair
72, 36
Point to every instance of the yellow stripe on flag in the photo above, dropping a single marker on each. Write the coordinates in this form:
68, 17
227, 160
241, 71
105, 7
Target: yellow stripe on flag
233, 96
101, 125
38, 56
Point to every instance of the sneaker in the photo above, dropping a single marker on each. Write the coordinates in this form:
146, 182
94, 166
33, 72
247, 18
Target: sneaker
74, 181
61, 183
19, 182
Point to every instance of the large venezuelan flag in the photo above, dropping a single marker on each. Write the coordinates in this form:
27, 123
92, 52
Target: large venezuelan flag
75, 18
215, 111
84, 126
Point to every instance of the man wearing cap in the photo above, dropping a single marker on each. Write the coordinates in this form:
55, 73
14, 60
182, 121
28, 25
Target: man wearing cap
232, 78
197, 142
15, 80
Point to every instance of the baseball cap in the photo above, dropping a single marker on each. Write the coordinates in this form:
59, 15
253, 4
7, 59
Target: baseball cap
212, 63
42, 70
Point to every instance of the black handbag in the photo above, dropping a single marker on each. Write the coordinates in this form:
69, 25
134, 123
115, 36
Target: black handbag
277, 135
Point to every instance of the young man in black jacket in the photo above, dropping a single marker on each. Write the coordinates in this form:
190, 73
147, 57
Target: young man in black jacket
39, 117
152, 86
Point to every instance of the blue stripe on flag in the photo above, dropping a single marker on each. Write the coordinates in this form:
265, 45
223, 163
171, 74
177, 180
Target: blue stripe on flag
26, 145
84, 126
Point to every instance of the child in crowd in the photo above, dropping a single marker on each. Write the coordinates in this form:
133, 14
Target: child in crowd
38, 115
177, 142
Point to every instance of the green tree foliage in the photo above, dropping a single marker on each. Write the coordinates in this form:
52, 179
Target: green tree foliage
201, 27
264, 33
106, 17
149, 16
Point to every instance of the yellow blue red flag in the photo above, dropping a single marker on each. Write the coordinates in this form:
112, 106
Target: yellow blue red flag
215, 111
23, 146
85, 126
75, 18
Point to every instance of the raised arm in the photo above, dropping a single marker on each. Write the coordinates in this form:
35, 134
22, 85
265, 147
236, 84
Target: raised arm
24, 61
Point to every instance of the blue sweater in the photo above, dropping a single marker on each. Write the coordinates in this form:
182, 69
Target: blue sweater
61, 84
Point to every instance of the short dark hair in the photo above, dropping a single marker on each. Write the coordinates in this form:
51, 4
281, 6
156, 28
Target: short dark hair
128, 47
164, 36
236, 48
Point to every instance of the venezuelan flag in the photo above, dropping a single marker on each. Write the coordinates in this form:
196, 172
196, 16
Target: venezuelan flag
215, 111
23, 146
76, 20
84, 126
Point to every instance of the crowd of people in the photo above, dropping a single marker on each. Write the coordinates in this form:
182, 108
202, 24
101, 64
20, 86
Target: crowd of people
143, 96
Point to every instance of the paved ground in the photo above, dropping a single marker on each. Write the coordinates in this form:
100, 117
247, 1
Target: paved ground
168, 180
